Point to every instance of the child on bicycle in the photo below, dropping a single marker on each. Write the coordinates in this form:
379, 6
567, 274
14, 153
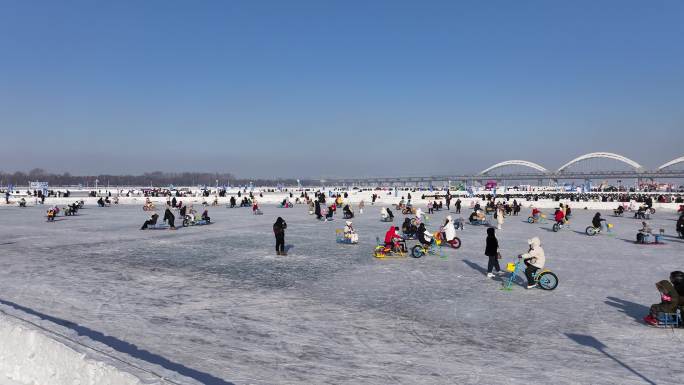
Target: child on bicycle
596, 221
534, 260
535, 213
559, 217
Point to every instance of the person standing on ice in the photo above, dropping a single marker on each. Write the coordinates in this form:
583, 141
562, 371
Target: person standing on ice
317, 209
279, 231
492, 251
458, 206
499, 216
534, 260
170, 218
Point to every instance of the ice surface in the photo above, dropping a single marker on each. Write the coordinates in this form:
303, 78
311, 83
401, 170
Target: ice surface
213, 304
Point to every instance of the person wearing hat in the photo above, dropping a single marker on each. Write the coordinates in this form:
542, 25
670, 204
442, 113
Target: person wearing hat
534, 260
279, 231
350, 233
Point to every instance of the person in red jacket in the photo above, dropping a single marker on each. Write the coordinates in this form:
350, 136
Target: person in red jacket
559, 216
535, 213
394, 240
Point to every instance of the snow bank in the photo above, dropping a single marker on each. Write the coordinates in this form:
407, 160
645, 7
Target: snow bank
30, 356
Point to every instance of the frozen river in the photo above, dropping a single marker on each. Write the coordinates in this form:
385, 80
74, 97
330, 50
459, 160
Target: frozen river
214, 305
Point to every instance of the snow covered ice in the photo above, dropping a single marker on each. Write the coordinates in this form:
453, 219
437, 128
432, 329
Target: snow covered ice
215, 305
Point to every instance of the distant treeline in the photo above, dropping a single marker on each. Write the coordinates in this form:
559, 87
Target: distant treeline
156, 178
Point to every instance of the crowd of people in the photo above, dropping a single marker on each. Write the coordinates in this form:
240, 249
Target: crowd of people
415, 226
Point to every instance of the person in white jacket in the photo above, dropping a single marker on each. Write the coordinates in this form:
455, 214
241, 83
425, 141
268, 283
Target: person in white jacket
349, 232
499, 216
419, 215
448, 229
534, 260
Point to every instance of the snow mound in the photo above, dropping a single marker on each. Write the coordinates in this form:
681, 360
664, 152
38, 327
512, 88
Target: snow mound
29, 356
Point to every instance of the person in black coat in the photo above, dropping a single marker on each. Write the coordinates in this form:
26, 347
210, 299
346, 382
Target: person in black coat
492, 251
150, 222
596, 220
680, 226
279, 231
317, 210
170, 218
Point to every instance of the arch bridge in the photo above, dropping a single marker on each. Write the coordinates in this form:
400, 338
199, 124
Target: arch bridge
539, 172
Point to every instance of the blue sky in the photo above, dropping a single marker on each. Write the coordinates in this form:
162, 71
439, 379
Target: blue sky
336, 88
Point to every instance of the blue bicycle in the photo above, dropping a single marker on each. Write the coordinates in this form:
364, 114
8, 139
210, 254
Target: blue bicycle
544, 278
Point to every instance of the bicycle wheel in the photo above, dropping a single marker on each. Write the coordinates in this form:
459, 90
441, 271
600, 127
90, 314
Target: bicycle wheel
556, 227
185, 223
417, 251
530, 220
547, 280
591, 231
455, 243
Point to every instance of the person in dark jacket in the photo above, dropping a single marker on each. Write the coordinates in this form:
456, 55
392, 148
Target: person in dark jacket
677, 279
317, 210
348, 214
492, 251
669, 300
680, 225
596, 221
170, 218
150, 222
279, 230
408, 228
424, 236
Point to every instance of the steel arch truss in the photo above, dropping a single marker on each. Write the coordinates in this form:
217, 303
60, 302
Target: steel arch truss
515, 163
604, 155
671, 163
